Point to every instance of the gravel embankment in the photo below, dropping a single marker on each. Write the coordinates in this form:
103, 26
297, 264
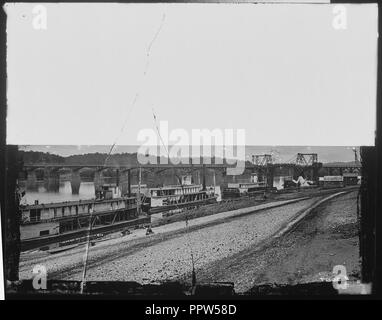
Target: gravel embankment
166, 255
328, 236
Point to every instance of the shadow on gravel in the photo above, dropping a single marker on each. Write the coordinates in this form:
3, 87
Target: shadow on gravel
316, 288
129, 290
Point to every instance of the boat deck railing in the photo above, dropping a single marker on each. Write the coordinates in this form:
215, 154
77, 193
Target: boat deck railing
33, 220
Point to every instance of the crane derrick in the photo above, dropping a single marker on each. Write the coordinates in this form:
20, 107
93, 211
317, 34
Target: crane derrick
262, 159
307, 164
262, 169
306, 159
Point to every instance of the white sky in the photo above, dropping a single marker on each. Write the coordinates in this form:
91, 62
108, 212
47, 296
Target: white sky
281, 72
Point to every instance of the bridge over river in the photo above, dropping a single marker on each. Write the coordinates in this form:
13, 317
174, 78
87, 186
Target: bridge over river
153, 175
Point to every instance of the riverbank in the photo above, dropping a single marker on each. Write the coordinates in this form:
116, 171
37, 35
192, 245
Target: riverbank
244, 202
165, 255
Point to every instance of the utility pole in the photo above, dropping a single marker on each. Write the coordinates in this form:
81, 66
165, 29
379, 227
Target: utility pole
204, 177
139, 191
355, 155
129, 182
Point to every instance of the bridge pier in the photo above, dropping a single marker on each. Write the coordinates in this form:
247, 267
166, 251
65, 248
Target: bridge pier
124, 182
98, 181
75, 181
31, 182
129, 183
51, 180
204, 177
309, 173
262, 174
316, 169
195, 176
270, 176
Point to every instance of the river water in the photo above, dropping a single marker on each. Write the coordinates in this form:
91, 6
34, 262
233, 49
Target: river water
64, 193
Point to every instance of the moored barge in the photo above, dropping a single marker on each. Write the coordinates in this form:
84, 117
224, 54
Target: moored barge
174, 197
63, 222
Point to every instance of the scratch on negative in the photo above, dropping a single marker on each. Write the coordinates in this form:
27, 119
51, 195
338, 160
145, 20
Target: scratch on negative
152, 42
112, 147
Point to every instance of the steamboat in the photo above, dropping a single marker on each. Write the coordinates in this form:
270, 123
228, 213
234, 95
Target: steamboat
179, 197
56, 224
252, 187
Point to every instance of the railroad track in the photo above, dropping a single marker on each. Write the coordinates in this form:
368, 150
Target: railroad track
81, 234
108, 252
